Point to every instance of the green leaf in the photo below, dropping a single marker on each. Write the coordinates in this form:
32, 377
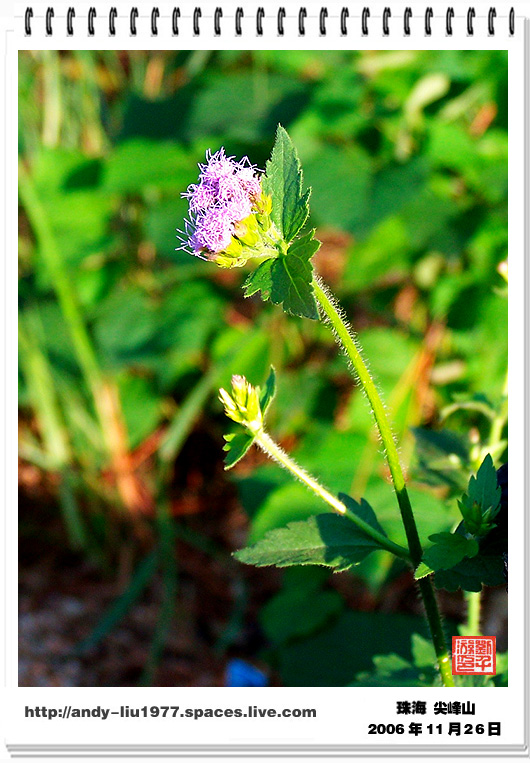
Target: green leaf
287, 280
139, 164
423, 653
363, 510
268, 391
422, 570
237, 445
356, 637
484, 488
448, 550
283, 182
341, 177
435, 444
394, 670
327, 539
294, 613
481, 504
260, 280
292, 277
286, 502
472, 574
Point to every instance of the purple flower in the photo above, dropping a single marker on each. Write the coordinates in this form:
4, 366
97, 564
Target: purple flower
226, 193
212, 231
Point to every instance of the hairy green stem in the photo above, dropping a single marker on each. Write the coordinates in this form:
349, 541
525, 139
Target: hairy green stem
340, 328
277, 453
437, 633
333, 316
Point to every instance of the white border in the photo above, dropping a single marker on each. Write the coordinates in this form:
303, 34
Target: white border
343, 712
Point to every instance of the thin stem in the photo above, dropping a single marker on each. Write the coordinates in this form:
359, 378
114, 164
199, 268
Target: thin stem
473, 612
499, 420
342, 331
273, 450
332, 314
437, 632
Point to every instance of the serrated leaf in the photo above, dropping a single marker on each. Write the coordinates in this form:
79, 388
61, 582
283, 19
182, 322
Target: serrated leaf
287, 280
363, 510
268, 391
260, 280
472, 574
448, 550
283, 183
484, 488
292, 277
327, 539
422, 570
236, 446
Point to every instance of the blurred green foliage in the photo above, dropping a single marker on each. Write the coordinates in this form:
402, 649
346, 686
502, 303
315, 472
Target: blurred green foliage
406, 153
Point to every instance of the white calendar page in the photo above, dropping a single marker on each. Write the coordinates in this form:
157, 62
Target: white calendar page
69, 690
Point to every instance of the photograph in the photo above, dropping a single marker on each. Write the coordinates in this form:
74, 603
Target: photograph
263, 368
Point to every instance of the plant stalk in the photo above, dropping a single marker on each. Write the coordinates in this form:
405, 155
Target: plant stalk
341, 330
473, 612
273, 450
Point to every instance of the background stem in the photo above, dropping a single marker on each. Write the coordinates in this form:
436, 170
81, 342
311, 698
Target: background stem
473, 612
332, 314
103, 389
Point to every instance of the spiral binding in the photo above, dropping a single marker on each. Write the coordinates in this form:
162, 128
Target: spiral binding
345, 26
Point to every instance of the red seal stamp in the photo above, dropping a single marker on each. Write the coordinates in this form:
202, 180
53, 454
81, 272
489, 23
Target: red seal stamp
474, 656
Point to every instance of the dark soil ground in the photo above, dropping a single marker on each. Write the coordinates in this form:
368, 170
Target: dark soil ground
64, 596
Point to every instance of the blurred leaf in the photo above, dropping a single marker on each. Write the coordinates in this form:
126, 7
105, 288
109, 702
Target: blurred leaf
434, 444
393, 670
385, 251
357, 637
340, 180
140, 164
141, 407
268, 391
259, 99
131, 327
288, 502
428, 89
295, 613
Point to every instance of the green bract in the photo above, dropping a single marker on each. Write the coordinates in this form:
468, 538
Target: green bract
247, 406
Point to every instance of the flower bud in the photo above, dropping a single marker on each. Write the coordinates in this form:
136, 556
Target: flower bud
243, 405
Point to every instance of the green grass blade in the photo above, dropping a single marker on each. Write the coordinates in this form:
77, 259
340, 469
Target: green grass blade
120, 606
